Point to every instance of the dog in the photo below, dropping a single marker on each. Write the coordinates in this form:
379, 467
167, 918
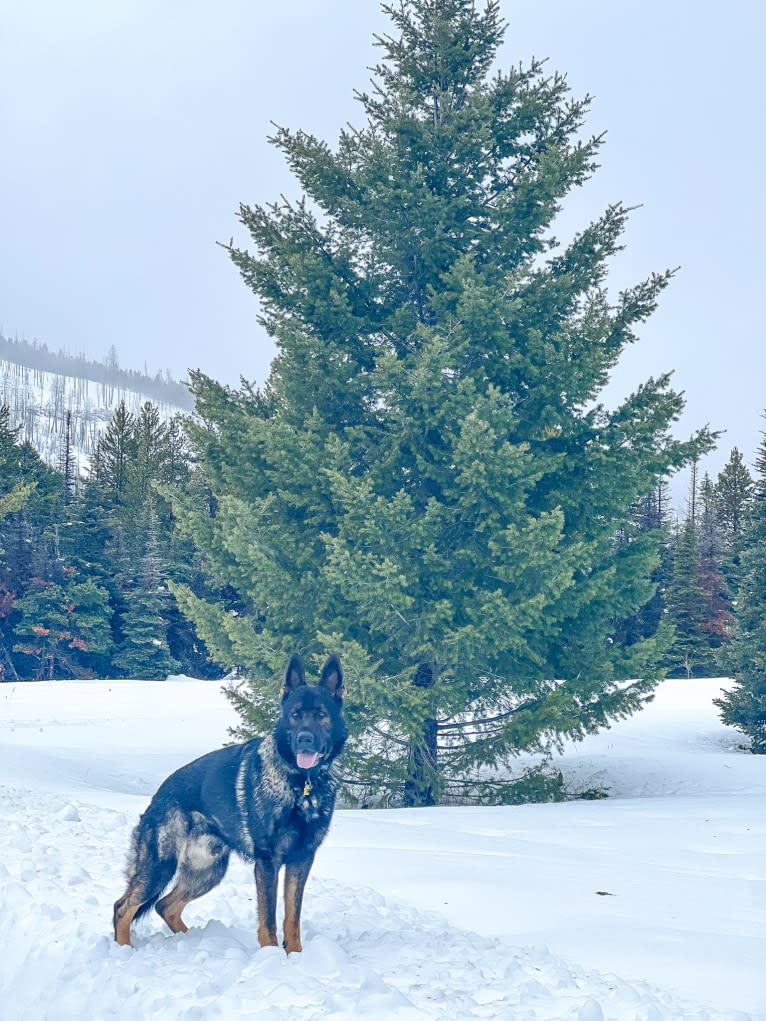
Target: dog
270, 800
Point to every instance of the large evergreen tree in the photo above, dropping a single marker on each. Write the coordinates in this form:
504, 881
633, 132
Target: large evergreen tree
428, 483
745, 705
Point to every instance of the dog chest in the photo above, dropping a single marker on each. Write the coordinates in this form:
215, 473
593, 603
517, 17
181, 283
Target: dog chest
281, 818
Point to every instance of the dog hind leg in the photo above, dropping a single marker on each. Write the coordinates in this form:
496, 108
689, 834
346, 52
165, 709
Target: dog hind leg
202, 868
143, 890
152, 866
170, 908
125, 910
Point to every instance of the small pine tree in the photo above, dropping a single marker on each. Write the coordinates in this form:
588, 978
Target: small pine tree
696, 597
144, 650
689, 655
718, 604
14, 495
67, 466
115, 452
744, 706
63, 628
152, 454
13, 491
31, 496
649, 515
733, 501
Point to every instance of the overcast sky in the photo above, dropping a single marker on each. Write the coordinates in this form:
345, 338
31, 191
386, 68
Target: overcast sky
132, 129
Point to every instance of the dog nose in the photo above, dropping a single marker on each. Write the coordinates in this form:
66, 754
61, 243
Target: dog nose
305, 741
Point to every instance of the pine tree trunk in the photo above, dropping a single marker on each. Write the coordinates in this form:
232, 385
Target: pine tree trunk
419, 787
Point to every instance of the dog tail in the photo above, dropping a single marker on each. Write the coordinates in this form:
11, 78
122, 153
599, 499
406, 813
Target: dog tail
148, 905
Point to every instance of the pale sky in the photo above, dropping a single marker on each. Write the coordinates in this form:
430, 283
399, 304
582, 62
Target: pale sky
132, 129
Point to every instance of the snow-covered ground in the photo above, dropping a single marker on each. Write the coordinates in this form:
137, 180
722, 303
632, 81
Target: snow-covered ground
649, 905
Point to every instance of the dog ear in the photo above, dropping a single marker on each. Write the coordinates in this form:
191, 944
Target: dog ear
332, 678
295, 675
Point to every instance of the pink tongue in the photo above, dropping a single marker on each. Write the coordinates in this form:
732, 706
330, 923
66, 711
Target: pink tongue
307, 759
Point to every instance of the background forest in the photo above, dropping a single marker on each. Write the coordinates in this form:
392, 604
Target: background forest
96, 555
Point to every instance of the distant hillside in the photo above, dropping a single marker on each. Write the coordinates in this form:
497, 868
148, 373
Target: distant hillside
33, 355
39, 387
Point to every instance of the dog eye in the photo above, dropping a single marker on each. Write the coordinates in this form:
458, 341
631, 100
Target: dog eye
295, 714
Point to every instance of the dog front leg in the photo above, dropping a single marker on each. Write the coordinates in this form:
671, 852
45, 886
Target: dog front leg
296, 875
266, 873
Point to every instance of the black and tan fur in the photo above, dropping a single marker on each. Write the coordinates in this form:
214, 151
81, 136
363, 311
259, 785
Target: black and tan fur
251, 798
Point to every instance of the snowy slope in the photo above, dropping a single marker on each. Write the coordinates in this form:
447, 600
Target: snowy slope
649, 905
38, 402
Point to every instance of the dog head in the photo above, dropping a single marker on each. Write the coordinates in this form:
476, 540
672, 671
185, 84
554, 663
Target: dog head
311, 731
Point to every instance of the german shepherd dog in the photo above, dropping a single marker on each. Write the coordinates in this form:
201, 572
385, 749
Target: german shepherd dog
270, 800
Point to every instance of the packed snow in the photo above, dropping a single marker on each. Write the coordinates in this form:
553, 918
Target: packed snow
647, 906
